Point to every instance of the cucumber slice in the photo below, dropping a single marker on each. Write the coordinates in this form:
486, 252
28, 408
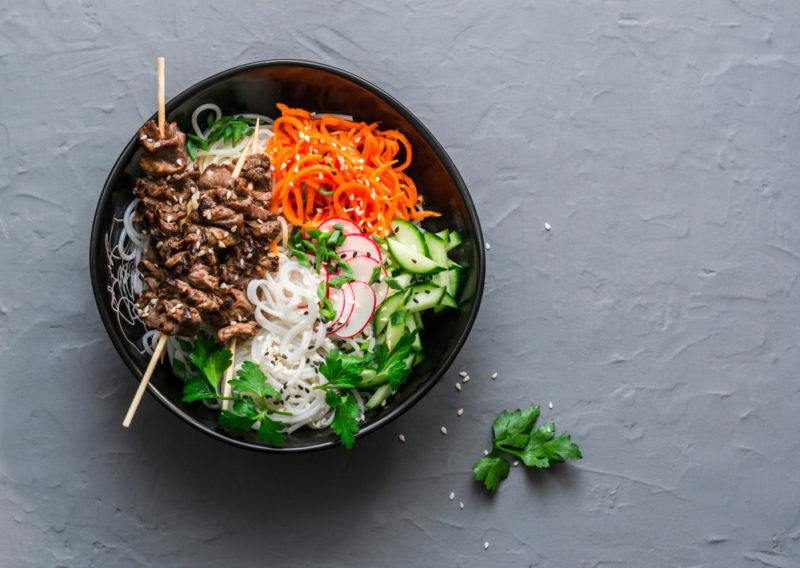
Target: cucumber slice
411, 326
412, 261
448, 301
403, 280
455, 240
381, 393
394, 333
424, 297
408, 234
384, 312
450, 279
437, 249
418, 320
444, 235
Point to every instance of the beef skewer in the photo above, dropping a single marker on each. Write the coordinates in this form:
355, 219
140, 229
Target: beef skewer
210, 235
162, 338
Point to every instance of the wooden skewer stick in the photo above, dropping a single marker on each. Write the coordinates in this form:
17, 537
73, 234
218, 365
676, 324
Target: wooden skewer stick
226, 386
137, 398
240, 162
162, 114
256, 141
252, 146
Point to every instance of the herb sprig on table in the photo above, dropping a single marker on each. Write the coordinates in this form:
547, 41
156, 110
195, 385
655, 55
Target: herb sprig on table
515, 433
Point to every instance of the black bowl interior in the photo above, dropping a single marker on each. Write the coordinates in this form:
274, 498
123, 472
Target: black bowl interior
257, 88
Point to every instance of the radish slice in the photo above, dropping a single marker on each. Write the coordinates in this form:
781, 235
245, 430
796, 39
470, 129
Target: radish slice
348, 227
343, 301
362, 311
362, 267
364, 245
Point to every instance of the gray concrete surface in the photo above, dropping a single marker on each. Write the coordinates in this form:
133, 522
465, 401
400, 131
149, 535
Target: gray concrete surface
660, 314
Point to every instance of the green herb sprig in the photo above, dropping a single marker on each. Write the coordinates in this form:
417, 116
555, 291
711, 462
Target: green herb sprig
515, 433
229, 128
250, 390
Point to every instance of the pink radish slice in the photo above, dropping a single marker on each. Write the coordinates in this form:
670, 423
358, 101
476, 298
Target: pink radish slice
362, 267
343, 301
364, 245
362, 311
348, 227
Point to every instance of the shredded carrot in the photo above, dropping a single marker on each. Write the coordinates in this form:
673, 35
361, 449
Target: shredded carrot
327, 166
273, 246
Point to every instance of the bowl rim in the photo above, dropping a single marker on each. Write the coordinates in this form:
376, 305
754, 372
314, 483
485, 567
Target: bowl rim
414, 397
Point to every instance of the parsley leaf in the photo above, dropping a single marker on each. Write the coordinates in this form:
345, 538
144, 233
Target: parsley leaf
244, 414
514, 433
512, 428
491, 469
345, 417
241, 417
543, 449
271, 431
392, 365
208, 362
197, 388
250, 378
229, 128
342, 370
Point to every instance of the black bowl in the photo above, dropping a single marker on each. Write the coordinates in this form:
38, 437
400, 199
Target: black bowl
257, 87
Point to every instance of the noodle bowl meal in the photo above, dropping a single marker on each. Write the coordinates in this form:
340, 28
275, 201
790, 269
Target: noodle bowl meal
284, 266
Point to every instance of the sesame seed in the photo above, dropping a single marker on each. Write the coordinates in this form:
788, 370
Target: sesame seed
516, 464
402, 439
486, 545
494, 375
486, 452
547, 227
460, 412
488, 246
458, 386
452, 495
461, 504
466, 379
444, 430
550, 405
462, 374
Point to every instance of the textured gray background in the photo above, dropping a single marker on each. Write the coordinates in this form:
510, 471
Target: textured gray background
659, 139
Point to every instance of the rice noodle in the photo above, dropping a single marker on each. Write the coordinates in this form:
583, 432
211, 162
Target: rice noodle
220, 152
292, 341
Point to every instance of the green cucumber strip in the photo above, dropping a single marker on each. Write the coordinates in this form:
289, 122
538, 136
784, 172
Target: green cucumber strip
410, 235
410, 260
